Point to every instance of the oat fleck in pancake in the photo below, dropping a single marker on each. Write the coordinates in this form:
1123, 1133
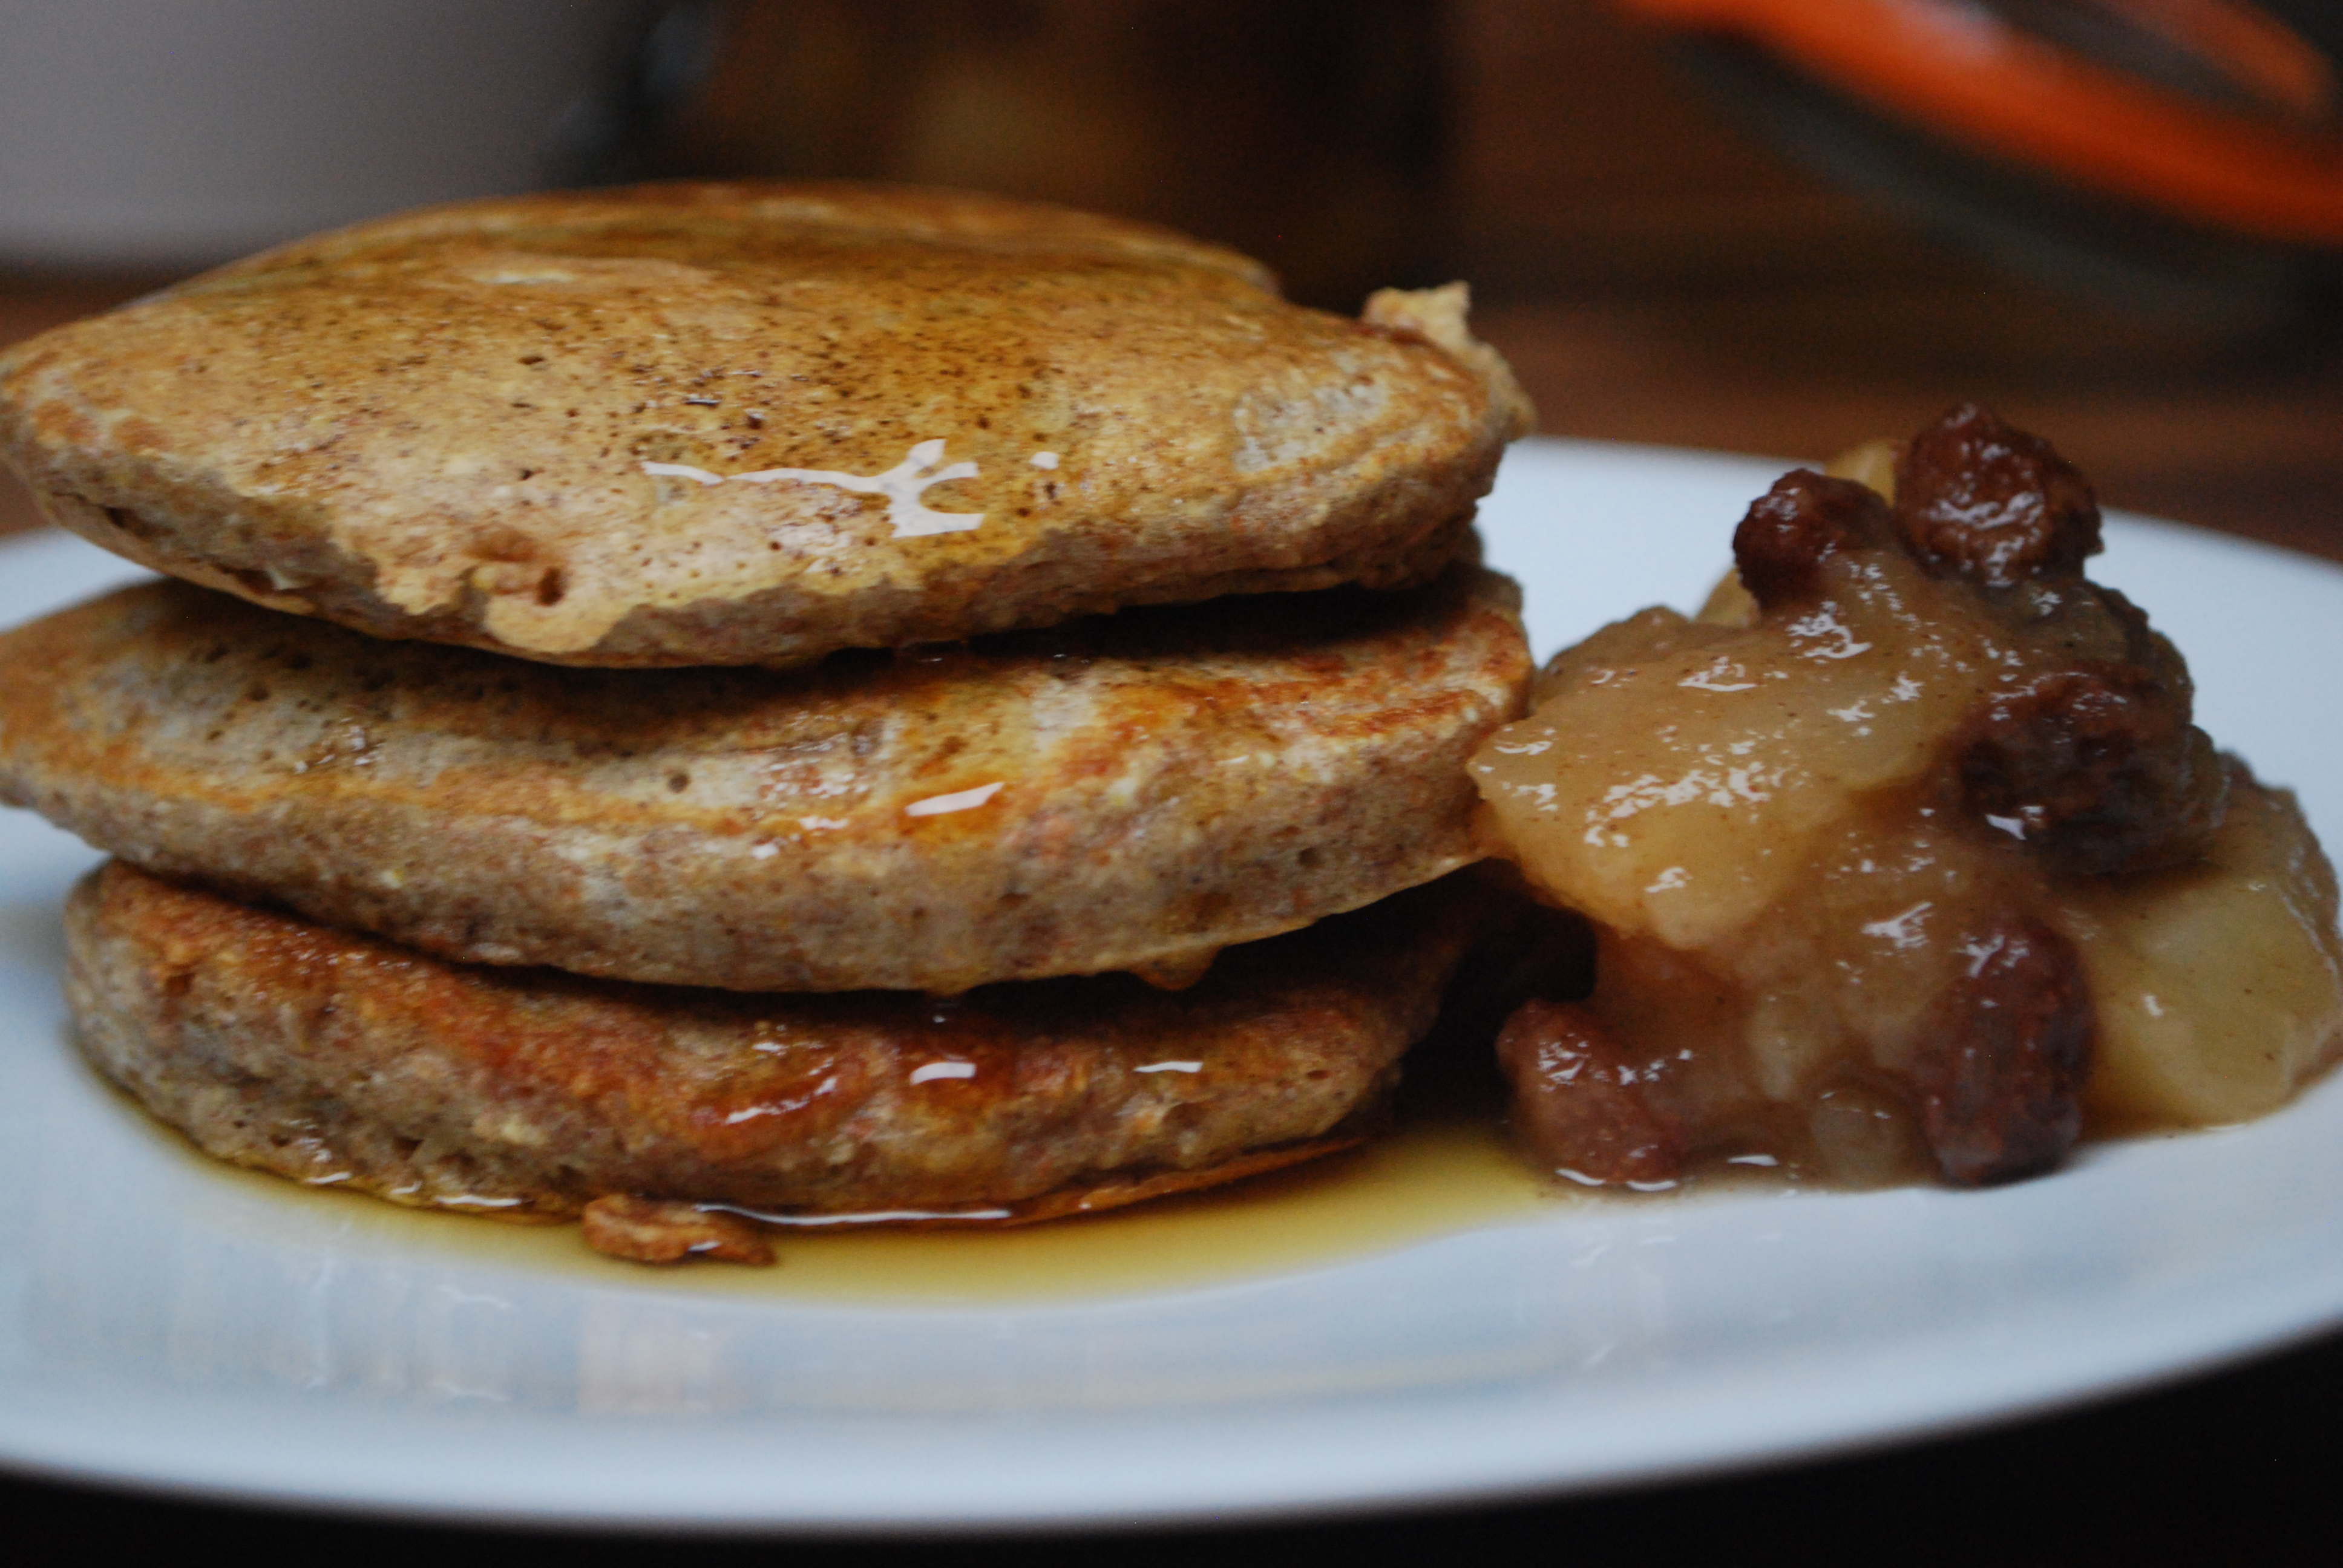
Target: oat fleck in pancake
748, 423
1131, 791
336, 1059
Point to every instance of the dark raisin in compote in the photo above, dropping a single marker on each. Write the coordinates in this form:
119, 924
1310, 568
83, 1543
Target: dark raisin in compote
1905, 857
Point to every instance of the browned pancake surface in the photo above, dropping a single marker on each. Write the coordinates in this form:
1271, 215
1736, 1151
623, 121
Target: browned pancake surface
523, 424
1133, 791
336, 1059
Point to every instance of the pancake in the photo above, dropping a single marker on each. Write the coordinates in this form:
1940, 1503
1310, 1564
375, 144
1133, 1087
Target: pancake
341, 1059
750, 424
1125, 792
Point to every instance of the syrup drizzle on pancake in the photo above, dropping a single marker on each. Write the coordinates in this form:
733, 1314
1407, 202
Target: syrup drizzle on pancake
903, 485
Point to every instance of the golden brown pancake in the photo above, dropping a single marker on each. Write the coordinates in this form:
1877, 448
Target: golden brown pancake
749, 424
342, 1059
1129, 791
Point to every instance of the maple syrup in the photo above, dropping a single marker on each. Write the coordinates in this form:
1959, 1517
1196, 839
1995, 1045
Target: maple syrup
1445, 1166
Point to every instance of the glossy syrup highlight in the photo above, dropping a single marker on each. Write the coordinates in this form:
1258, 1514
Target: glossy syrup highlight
1444, 1166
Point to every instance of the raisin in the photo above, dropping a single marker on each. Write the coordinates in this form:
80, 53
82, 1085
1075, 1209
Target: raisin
1976, 498
2001, 1079
1580, 1103
1804, 521
2098, 768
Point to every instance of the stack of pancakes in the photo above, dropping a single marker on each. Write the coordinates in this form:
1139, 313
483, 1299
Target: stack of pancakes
705, 702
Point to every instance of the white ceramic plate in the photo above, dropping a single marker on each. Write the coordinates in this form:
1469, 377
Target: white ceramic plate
165, 1326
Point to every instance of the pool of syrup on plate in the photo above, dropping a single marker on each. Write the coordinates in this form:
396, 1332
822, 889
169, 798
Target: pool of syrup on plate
1444, 1166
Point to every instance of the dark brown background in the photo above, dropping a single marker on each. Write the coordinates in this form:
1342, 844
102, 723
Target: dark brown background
1657, 276
1655, 273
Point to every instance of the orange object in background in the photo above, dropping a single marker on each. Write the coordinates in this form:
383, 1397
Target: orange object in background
2215, 113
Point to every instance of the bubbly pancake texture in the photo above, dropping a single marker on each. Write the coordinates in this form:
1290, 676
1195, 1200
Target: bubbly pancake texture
342, 1059
1131, 791
749, 424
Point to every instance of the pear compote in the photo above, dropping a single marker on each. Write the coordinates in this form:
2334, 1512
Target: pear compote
1904, 857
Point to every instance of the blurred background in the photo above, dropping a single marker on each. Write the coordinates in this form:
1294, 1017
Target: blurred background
1767, 225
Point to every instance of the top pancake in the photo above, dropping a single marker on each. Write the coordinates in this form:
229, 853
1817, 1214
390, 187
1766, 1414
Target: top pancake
750, 424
